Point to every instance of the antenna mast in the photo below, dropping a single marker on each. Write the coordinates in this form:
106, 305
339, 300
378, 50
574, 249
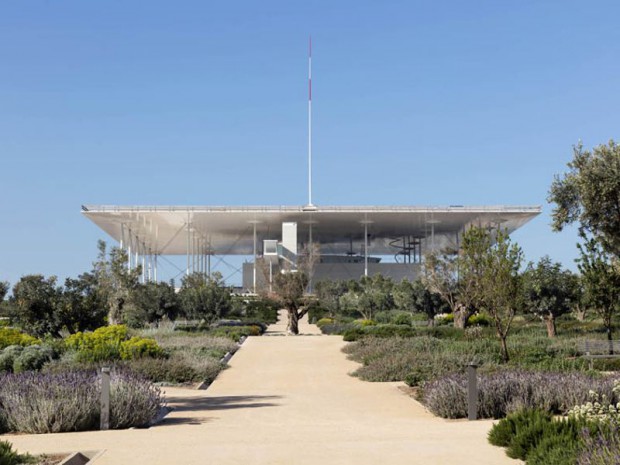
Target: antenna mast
310, 122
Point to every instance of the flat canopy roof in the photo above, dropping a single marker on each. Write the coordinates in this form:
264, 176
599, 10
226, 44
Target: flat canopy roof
230, 230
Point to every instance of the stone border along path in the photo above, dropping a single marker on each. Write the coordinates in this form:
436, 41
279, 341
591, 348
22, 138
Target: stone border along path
287, 400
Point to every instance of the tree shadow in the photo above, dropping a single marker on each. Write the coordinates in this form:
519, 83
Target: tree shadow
211, 404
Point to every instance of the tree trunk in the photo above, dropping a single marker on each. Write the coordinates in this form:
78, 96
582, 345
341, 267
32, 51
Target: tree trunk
461, 315
505, 357
580, 313
550, 323
610, 338
293, 321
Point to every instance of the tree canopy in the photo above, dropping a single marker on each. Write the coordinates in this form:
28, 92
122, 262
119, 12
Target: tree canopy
589, 194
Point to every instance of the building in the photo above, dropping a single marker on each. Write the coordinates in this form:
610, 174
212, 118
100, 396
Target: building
347, 242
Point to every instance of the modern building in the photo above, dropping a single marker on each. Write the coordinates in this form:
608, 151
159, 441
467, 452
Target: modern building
346, 242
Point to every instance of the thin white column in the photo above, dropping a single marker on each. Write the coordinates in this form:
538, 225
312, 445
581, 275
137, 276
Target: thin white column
365, 248
143, 263
188, 246
137, 251
254, 267
129, 251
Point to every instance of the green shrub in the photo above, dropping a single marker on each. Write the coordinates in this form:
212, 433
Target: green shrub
12, 336
10, 457
8, 356
236, 332
504, 431
110, 343
352, 334
528, 435
317, 313
139, 347
479, 319
32, 358
554, 450
337, 328
444, 319
365, 323
534, 436
402, 319
179, 368
324, 321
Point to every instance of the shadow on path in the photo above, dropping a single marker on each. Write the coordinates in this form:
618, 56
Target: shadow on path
196, 405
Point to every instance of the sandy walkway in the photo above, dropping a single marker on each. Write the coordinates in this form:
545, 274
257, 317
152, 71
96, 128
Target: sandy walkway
288, 400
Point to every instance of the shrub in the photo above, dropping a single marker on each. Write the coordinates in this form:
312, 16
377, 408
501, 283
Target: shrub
102, 344
601, 447
480, 319
402, 319
37, 403
11, 336
337, 328
10, 457
415, 359
364, 323
179, 368
8, 356
133, 400
32, 358
236, 332
507, 391
324, 321
110, 343
502, 433
50, 403
533, 435
138, 347
444, 318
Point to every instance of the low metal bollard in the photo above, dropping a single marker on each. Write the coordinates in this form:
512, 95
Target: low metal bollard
472, 392
105, 399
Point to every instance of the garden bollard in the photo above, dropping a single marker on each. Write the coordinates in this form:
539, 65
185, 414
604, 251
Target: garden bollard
472, 392
105, 398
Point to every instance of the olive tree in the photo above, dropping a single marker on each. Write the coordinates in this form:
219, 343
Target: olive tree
500, 285
600, 273
417, 298
115, 283
370, 295
457, 278
290, 290
205, 298
33, 303
589, 194
549, 292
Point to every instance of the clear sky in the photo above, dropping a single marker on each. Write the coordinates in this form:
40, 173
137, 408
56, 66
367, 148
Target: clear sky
204, 103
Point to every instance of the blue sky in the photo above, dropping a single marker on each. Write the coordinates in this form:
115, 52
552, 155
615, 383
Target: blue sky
415, 103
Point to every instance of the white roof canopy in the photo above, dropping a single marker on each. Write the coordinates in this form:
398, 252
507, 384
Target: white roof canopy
230, 230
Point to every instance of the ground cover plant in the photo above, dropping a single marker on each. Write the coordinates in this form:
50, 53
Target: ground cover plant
430, 352
8, 456
50, 403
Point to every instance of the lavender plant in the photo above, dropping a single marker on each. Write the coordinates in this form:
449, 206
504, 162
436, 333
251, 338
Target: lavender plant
602, 448
134, 401
56, 402
507, 391
35, 403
